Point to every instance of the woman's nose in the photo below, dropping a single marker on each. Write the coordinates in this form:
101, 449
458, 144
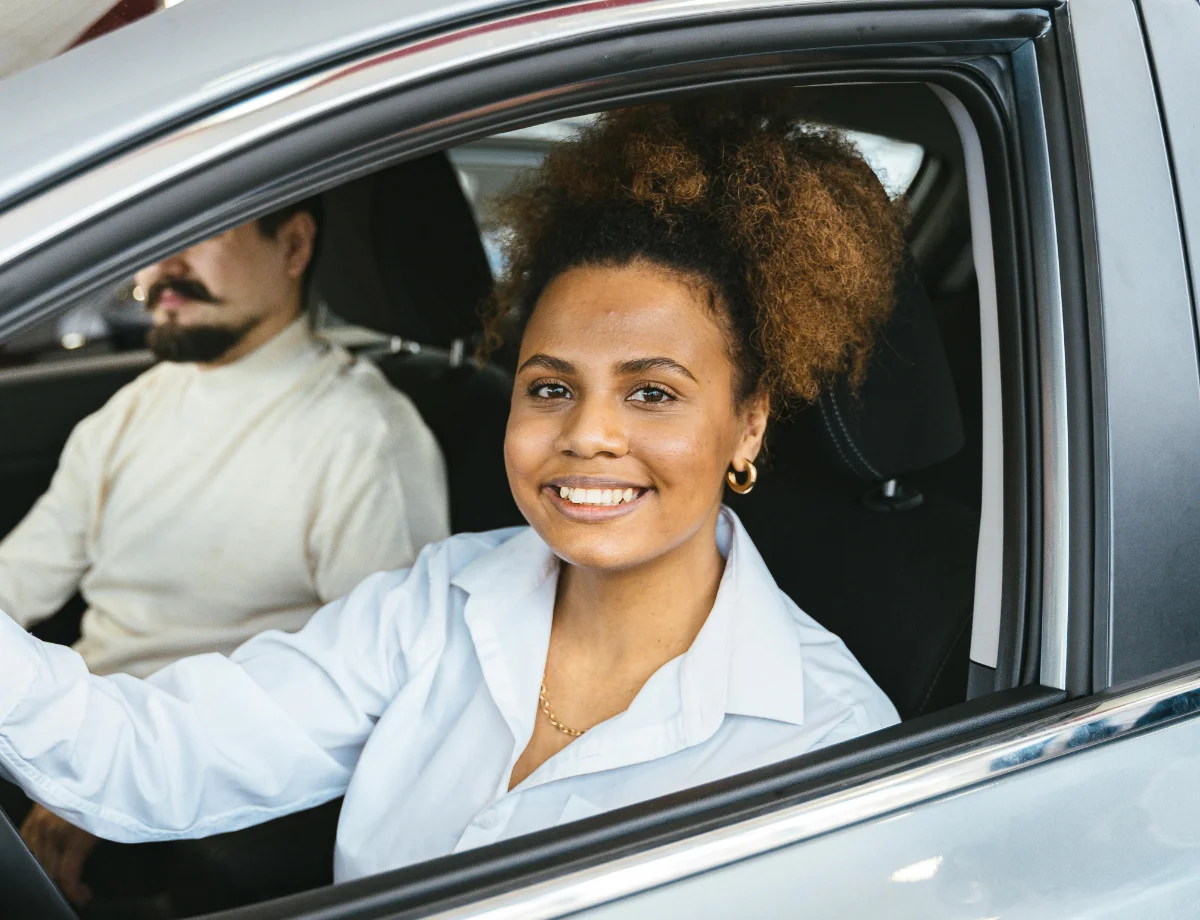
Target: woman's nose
593, 427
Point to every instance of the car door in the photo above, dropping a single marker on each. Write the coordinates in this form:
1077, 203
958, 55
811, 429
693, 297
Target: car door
975, 810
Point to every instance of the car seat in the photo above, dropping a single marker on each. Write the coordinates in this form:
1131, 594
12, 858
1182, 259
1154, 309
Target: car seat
402, 255
850, 519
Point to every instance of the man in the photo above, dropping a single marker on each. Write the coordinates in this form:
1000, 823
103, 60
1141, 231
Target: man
253, 475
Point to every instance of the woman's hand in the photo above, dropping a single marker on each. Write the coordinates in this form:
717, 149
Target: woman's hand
62, 849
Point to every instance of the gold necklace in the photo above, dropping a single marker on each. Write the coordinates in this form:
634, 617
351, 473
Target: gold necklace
574, 733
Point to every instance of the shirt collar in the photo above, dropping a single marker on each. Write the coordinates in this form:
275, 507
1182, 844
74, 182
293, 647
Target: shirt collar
509, 608
746, 659
511, 570
764, 654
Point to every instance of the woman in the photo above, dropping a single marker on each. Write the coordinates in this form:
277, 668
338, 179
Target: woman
677, 274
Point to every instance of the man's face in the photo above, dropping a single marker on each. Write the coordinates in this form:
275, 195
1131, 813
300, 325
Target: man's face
221, 298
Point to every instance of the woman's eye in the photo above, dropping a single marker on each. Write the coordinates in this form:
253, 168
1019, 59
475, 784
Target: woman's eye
650, 395
550, 391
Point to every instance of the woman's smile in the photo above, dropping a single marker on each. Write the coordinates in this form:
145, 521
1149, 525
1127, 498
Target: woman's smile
592, 499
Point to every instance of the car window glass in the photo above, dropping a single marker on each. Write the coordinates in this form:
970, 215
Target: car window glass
110, 320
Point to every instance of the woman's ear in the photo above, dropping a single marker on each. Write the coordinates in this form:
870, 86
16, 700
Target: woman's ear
756, 413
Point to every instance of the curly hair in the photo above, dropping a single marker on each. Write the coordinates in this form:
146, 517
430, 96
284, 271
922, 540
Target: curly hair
792, 234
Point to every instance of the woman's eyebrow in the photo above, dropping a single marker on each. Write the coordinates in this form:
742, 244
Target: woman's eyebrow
548, 362
644, 365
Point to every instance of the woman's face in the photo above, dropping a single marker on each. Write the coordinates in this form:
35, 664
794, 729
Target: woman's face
624, 418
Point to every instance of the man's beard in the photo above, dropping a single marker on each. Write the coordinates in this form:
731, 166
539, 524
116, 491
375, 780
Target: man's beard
172, 341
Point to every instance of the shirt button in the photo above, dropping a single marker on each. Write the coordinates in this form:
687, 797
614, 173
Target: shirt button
488, 822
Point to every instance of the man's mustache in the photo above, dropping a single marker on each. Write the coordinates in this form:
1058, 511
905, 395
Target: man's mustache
187, 288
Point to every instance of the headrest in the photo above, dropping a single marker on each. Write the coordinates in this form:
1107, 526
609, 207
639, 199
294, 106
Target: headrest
402, 254
905, 416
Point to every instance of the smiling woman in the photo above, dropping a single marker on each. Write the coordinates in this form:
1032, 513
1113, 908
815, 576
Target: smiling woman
676, 270
679, 273
627, 389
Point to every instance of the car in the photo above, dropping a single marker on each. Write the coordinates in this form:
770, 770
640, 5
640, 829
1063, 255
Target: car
1003, 527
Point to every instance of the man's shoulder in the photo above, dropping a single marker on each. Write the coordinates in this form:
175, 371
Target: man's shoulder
156, 375
358, 400
125, 401
357, 382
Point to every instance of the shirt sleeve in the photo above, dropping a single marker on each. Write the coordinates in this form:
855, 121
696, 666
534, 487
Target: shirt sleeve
44, 557
208, 744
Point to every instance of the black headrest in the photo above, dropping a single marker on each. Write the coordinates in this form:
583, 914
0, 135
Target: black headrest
402, 254
905, 417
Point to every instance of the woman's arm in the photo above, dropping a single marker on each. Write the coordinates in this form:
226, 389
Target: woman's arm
209, 744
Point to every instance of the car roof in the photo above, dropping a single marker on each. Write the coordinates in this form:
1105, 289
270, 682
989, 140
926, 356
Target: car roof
179, 61
191, 57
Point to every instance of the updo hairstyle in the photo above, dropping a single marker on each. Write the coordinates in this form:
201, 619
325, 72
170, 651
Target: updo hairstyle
785, 226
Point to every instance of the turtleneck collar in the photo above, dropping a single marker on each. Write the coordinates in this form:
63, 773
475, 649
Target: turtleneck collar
292, 351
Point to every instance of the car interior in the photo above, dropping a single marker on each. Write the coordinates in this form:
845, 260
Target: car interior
867, 511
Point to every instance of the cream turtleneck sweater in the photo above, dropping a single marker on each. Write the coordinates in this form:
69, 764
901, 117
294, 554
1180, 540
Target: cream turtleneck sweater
202, 506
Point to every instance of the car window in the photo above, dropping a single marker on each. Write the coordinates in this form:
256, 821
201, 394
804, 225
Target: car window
113, 320
872, 535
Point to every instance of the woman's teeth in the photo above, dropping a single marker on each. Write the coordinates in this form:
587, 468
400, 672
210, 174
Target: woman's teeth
597, 496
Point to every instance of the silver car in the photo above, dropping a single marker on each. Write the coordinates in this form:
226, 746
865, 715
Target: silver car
1006, 531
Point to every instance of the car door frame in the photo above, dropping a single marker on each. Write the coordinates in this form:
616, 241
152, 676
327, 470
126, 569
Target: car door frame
1141, 317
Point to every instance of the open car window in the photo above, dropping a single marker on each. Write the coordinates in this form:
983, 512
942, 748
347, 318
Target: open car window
916, 520
847, 487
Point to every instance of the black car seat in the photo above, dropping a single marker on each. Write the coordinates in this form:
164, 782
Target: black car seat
402, 255
851, 523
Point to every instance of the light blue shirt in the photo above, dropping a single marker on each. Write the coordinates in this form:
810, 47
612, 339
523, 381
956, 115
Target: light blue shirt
414, 696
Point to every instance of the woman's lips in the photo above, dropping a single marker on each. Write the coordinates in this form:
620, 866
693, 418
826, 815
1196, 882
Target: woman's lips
595, 504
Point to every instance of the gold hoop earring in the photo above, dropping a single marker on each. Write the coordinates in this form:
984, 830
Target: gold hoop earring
742, 488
